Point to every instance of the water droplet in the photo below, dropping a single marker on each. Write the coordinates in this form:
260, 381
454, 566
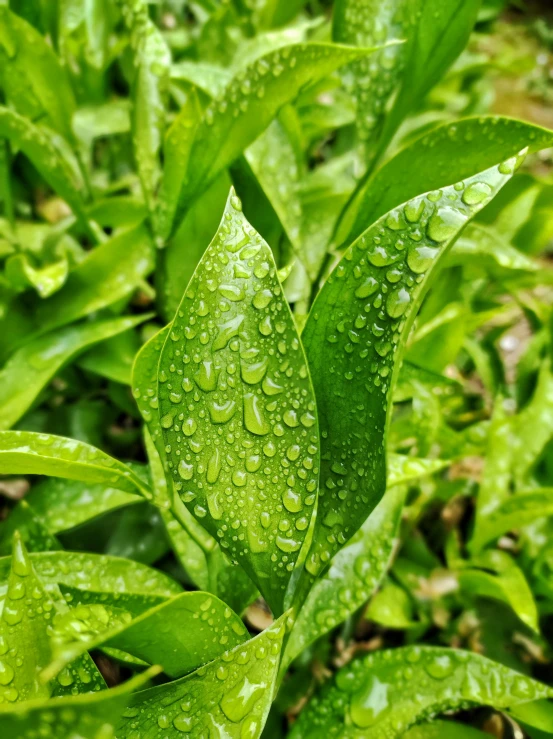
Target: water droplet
476, 193
445, 223
239, 701
254, 419
206, 377
185, 470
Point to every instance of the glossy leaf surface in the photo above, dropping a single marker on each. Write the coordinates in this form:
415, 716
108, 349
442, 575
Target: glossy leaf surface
29, 370
24, 635
86, 716
26, 452
180, 634
230, 696
357, 326
246, 107
376, 692
237, 407
97, 572
439, 158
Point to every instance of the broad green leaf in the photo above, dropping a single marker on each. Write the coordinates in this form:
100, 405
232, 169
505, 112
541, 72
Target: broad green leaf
375, 693
26, 618
246, 107
29, 453
507, 584
484, 243
354, 340
403, 469
537, 714
391, 607
92, 716
134, 604
32, 77
47, 279
354, 574
512, 514
242, 409
44, 149
32, 367
228, 697
61, 505
180, 634
449, 153
152, 61
98, 572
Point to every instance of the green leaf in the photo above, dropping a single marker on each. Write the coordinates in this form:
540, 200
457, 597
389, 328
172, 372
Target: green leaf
53, 161
61, 505
391, 607
354, 340
496, 477
242, 410
439, 729
98, 572
33, 531
533, 428
180, 634
87, 716
33, 80
376, 692
110, 272
29, 453
246, 107
449, 153
22, 273
113, 358
24, 638
403, 469
230, 696
435, 33
507, 584
513, 514
152, 61
353, 576
32, 367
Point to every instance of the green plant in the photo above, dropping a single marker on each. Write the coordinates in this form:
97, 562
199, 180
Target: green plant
350, 262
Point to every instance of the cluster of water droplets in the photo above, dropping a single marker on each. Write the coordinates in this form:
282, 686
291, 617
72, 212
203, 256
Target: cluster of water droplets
388, 691
228, 697
359, 318
373, 79
236, 404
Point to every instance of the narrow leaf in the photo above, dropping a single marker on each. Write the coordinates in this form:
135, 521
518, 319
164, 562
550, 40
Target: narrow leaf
24, 627
439, 158
243, 409
29, 453
375, 693
354, 341
180, 634
246, 107
229, 697
32, 367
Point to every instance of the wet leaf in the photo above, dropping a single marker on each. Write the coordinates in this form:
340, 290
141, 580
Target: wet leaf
87, 716
533, 427
33, 531
354, 574
32, 367
435, 33
152, 61
242, 409
32, 77
230, 696
181, 634
449, 153
360, 321
98, 572
29, 453
376, 692
245, 108
25, 646
439, 729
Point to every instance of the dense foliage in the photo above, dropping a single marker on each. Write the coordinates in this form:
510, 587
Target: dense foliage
276, 396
